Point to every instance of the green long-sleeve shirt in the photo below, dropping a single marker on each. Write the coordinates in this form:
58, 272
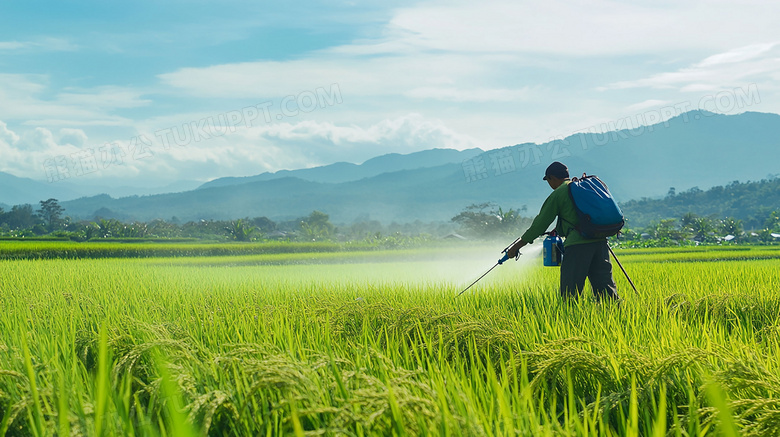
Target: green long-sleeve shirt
557, 204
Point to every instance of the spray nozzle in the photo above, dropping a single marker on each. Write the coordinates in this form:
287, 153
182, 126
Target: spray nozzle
506, 257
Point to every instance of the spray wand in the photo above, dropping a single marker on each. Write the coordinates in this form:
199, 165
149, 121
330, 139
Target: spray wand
500, 261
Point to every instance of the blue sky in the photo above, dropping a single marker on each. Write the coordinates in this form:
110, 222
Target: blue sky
82, 82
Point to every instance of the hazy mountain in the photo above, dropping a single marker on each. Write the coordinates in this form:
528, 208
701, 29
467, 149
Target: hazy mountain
695, 149
16, 191
390, 196
117, 189
345, 171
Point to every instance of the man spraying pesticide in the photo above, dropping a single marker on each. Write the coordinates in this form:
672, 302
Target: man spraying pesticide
587, 214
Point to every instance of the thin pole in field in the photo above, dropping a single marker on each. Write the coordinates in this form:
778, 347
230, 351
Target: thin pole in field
621, 268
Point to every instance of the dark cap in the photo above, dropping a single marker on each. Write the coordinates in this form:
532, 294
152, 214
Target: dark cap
557, 169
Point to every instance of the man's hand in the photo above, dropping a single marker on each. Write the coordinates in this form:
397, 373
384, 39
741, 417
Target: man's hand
512, 252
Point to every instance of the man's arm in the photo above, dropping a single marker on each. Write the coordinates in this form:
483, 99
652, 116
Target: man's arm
512, 251
547, 214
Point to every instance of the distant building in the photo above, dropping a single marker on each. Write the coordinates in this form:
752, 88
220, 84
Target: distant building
278, 235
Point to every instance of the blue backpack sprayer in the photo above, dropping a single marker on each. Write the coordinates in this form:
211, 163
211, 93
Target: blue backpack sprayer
552, 249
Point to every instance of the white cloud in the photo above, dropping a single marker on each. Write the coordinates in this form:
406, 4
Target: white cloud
36, 140
292, 145
11, 45
25, 98
21, 85
757, 62
376, 76
24, 154
108, 97
75, 137
41, 44
740, 54
647, 104
407, 133
579, 28
246, 151
455, 94
80, 118
7, 135
55, 44
539, 55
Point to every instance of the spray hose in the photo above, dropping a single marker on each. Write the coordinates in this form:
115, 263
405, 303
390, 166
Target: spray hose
500, 261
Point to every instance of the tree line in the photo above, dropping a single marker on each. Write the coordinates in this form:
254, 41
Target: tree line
49, 221
694, 229
485, 221
752, 203
489, 221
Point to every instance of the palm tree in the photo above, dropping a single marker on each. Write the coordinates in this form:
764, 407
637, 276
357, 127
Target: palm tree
239, 231
730, 226
107, 228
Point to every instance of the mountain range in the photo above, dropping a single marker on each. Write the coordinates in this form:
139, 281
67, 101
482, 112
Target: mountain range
346, 171
694, 149
15, 190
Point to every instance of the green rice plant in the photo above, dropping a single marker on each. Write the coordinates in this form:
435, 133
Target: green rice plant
374, 343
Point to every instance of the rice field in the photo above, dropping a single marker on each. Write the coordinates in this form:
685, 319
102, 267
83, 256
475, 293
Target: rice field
360, 343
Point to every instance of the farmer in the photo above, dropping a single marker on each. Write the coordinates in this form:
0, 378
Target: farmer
583, 257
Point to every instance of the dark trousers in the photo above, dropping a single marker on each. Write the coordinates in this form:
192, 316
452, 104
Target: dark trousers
589, 260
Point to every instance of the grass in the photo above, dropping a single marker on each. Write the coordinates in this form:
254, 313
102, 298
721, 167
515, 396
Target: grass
47, 249
373, 343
